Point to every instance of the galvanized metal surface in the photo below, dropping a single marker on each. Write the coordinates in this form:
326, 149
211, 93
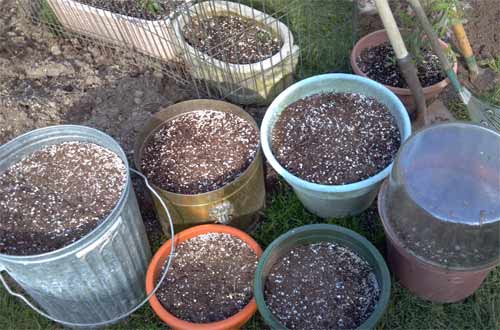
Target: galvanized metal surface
98, 277
237, 203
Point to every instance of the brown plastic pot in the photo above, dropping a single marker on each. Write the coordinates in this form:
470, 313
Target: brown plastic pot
379, 37
424, 279
154, 271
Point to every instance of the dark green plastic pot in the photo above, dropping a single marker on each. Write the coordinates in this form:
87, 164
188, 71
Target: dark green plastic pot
322, 233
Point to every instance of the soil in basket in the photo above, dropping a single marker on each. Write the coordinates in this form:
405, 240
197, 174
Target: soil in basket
335, 138
230, 38
200, 151
379, 63
321, 286
210, 278
57, 195
143, 9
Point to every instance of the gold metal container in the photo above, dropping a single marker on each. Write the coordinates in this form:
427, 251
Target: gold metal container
238, 203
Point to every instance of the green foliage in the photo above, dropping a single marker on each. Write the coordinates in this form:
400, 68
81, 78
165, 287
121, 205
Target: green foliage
49, 18
150, 6
494, 64
441, 13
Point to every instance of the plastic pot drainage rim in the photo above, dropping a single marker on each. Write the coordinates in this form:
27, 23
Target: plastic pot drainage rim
333, 200
91, 270
322, 233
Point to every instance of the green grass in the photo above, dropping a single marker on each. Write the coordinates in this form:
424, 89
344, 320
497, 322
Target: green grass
323, 29
284, 212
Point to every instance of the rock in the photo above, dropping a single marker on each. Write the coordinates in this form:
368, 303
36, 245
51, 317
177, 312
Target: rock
138, 93
137, 101
55, 50
49, 70
92, 80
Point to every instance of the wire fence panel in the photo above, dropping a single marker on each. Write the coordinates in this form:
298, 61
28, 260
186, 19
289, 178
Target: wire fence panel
246, 51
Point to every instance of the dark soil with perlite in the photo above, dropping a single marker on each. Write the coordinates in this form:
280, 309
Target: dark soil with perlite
210, 278
379, 63
200, 151
321, 286
144, 9
232, 39
335, 138
57, 195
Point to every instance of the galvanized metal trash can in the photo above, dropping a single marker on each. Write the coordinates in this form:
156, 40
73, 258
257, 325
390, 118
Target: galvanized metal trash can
238, 203
102, 275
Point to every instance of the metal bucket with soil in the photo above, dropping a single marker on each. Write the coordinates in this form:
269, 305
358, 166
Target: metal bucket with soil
321, 277
209, 285
441, 212
373, 57
71, 233
204, 159
245, 54
333, 139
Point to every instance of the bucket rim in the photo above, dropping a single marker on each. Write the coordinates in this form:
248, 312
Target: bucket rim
267, 127
90, 237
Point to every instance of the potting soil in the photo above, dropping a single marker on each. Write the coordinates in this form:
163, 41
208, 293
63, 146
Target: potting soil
335, 138
200, 151
210, 278
379, 63
321, 286
56, 195
231, 39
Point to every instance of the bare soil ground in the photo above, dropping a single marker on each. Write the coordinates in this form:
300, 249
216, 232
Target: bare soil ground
47, 80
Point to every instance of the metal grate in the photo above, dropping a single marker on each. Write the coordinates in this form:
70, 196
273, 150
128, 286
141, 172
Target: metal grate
315, 36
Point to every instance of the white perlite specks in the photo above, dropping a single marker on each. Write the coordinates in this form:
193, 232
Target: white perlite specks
56, 195
200, 151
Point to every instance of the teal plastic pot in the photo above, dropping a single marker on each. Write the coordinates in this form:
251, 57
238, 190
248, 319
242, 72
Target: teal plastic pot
329, 201
322, 233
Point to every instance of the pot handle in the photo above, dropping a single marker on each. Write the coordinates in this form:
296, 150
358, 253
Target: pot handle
118, 318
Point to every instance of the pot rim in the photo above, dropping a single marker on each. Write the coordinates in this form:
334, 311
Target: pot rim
139, 145
358, 48
92, 236
383, 300
267, 127
231, 322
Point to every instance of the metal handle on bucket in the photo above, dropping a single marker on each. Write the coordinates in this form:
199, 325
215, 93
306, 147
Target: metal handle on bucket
116, 319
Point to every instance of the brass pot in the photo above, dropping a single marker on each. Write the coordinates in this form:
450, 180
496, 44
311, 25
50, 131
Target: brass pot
238, 203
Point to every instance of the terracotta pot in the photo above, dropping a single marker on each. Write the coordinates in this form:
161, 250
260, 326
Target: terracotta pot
425, 280
154, 271
379, 37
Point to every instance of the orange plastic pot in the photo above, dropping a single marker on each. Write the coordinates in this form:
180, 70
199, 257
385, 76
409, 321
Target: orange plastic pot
154, 271
380, 37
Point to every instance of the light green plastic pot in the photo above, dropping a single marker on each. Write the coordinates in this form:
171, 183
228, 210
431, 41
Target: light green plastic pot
322, 233
333, 201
